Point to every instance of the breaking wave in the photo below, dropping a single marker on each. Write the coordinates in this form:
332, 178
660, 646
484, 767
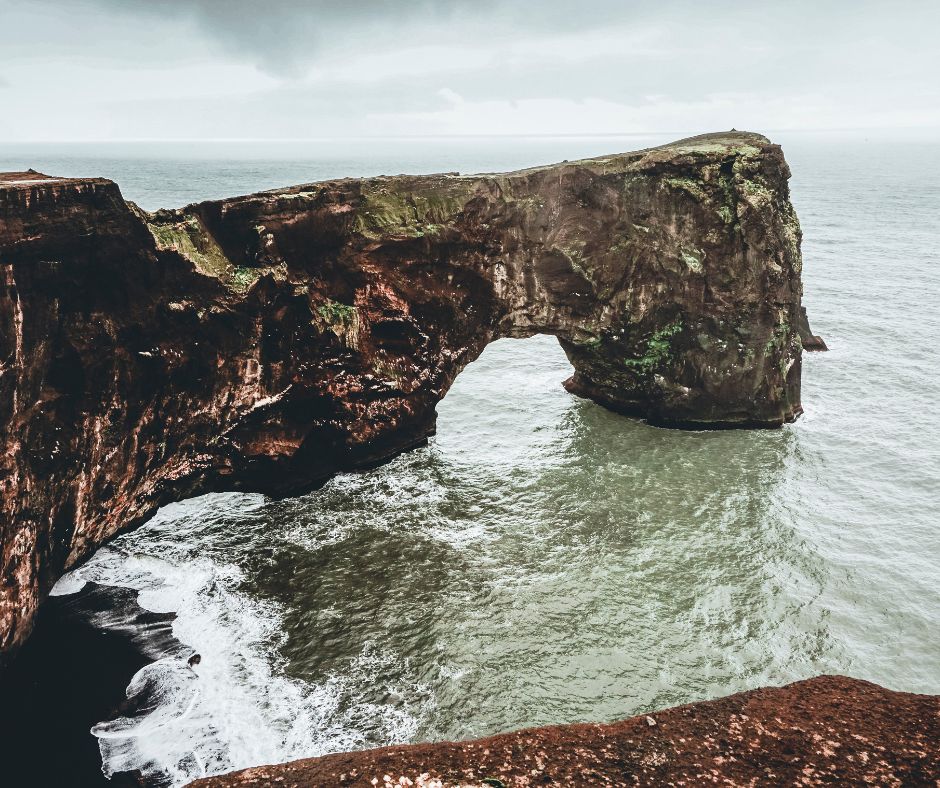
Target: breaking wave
237, 707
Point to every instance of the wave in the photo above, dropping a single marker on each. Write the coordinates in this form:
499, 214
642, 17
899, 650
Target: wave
237, 707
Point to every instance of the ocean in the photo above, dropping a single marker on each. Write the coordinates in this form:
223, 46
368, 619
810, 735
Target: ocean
544, 560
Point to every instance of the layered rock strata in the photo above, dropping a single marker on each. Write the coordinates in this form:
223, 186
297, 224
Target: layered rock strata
829, 730
266, 342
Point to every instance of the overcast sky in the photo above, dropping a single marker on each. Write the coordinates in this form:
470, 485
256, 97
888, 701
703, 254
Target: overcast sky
270, 69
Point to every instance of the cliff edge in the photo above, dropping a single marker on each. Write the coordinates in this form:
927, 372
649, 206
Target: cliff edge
830, 730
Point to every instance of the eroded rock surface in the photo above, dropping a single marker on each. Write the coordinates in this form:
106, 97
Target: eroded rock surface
830, 730
266, 342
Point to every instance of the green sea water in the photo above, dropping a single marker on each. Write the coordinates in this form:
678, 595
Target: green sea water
543, 560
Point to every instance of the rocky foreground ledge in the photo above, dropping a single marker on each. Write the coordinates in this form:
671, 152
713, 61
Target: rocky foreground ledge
830, 730
266, 342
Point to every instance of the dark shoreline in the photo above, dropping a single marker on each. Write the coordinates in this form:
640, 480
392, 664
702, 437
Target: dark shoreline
71, 674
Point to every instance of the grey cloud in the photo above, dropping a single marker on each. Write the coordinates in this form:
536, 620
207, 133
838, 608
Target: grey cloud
282, 35
332, 66
285, 36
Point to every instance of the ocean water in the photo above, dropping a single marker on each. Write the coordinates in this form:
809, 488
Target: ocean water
544, 560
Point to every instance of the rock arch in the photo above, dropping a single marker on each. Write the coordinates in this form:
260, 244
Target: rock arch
266, 342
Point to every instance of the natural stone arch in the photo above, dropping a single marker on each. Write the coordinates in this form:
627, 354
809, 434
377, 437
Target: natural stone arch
266, 342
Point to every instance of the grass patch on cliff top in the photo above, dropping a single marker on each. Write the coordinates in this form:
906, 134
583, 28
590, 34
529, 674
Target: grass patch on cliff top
413, 209
192, 241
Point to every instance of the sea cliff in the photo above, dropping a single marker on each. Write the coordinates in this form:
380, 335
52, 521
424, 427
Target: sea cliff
266, 342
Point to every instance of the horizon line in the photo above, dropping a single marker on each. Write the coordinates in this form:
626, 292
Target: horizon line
445, 136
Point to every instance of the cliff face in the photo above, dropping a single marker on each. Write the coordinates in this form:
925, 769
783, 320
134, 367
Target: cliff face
830, 730
268, 341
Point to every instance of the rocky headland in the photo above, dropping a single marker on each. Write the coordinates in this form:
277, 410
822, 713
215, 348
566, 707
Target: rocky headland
830, 730
266, 342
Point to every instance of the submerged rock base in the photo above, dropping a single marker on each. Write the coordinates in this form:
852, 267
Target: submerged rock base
823, 731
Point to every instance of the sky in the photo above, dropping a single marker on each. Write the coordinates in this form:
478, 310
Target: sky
287, 69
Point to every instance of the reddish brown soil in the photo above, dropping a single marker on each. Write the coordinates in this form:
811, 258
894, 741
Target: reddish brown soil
829, 730
33, 177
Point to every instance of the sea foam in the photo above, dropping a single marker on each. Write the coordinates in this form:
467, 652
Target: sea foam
237, 708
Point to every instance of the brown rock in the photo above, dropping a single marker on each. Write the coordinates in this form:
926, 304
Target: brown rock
830, 730
266, 342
